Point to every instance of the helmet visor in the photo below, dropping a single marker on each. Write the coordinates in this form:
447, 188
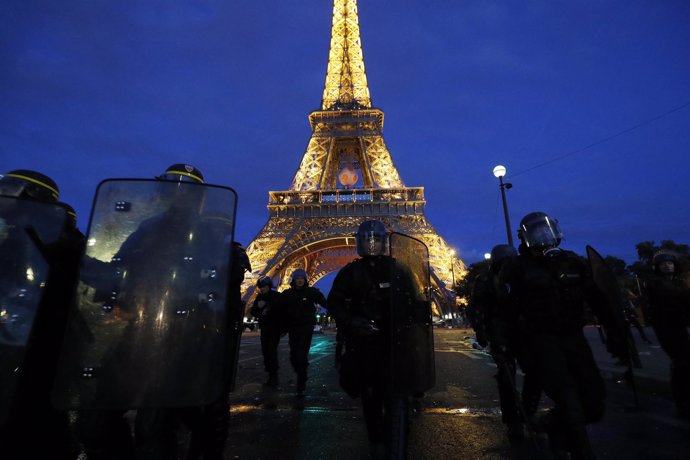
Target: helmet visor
180, 178
14, 186
541, 232
371, 243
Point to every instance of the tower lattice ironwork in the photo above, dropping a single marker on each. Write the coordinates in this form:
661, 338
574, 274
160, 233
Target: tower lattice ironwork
346, 176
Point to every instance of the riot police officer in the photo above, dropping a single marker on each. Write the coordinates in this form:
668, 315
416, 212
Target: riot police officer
105, 434
34, 428
166, 282
362, 299
669, 301
483, 296
299, 306
543, 295
267, 308
483, 304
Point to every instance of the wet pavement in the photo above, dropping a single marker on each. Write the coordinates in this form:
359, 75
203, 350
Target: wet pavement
655, 363
458, 419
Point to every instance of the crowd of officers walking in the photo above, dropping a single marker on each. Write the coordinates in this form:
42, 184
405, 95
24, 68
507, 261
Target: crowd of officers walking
529, 308
291, 312
158, 304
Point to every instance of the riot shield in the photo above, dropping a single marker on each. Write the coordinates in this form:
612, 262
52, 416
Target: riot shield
27, 228
606, 281
151, 326
412, 340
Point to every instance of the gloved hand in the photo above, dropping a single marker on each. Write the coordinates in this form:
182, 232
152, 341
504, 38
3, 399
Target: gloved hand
362, 326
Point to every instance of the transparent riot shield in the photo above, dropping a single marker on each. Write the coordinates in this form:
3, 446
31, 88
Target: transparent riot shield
151, 326
412, 341
27, 229
606, 281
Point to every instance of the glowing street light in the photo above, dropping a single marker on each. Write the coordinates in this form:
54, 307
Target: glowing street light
500, 172
452, 272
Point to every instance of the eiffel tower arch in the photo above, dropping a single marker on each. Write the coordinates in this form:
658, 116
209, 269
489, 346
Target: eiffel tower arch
346, 176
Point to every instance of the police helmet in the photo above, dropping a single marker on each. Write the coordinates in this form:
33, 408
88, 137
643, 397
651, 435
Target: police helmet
24, 183
299, 273
265, 281
180, 172
538, 230
499, 253
664, 255
370, 233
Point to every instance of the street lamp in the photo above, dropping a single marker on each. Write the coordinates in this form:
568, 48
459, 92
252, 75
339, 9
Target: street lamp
452, 273
500, 171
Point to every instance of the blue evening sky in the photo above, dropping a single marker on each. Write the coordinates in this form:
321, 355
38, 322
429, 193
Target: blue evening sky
97, 89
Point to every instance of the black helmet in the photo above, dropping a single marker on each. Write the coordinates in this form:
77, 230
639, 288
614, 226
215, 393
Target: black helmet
538, 230
180, 172
368, 234
499, 253
25, 183
664, 255
299, 273
264, 281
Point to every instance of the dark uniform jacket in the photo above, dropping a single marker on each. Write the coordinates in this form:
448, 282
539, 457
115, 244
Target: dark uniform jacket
299, 305
359, 301
547, 295
268, 309
368, 288
669, 300
367, 296
483, 300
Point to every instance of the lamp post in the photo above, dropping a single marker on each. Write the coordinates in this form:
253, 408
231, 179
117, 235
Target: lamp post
452, 273
500, 172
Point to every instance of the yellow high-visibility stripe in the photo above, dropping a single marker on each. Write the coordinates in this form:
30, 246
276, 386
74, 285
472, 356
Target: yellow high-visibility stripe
36, 181
185, 173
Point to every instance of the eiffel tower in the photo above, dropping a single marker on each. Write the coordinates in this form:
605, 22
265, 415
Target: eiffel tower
346, 176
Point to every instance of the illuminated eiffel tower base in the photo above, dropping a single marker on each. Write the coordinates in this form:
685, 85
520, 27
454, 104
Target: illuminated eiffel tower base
346, 176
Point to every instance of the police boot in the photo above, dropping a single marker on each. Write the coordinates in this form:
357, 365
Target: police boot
272, 381
515, 431
377, 451
580, 447
301, 383
558, 445
558, 442
531, 396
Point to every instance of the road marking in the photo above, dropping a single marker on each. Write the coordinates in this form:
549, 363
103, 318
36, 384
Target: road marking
469, 354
